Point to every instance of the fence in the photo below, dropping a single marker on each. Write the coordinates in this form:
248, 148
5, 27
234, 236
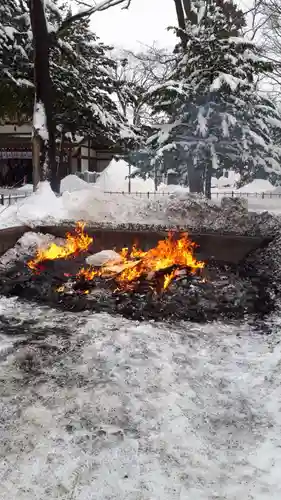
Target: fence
10, 199
230, 194
233, 194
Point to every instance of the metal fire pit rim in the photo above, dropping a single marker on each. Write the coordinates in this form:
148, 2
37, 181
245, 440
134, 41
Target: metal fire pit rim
147, 228
228, 248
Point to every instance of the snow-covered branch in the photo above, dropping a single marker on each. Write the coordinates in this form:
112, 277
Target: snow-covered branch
89, 11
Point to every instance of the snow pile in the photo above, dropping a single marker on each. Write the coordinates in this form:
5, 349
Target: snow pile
138, 411
26, 188
256, 186
276, 190
179, 208
95, 206
172, 188
196, 212
225, 182
73, 183
41, 206
115, 178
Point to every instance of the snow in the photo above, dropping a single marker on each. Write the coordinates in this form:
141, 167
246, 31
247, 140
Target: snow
276, 190
26, 188
10, 32
115, 178
43, 205
26, 246
39, 121
73, 183
256, 186
128, 410
173, 207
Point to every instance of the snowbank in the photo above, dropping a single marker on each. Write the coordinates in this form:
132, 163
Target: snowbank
73, 183
226, 182
96, 206
115, 178
172, 188
26, 188
276, 190
256, 186
41, 206
179, 208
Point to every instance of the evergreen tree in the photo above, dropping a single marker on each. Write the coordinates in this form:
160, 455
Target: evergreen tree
83, 87
216, 118
16, 68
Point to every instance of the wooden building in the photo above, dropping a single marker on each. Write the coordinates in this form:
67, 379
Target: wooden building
92, 155
88, 155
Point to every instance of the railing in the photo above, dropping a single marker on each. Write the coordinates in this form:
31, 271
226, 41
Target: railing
148, 194
233, 194
10, 199
230, 194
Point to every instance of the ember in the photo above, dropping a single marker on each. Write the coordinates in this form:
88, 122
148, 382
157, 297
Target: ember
75, 243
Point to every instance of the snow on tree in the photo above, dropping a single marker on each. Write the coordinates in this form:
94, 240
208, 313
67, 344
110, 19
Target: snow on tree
84, 86
216, 118
16, 69
73, 83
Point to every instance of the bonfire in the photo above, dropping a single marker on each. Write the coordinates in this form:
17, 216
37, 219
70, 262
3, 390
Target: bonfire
170, 259
163, 282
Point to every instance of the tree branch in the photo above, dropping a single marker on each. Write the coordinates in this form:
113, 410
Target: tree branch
101, 6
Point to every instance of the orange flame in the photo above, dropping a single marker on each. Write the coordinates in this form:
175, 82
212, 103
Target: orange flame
137, 263
168, 278
75, 243
167, 253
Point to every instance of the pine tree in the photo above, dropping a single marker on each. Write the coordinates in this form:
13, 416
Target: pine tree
216, 118
16, 68
83, 87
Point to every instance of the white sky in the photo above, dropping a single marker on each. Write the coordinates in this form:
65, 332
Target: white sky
145, 22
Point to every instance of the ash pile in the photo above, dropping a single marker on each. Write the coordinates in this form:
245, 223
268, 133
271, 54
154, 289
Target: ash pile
164, 283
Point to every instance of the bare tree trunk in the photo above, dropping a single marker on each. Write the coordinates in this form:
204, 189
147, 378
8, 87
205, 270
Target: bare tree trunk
36, 167
181, 21
155, 178
189, 13
129, 179
208, 178
61, 171
43, 83
195, 179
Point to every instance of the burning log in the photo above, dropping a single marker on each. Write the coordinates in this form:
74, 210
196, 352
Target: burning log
75, 243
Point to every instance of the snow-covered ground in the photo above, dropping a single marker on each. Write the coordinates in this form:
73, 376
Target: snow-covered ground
99, 407
100, 202
93, 205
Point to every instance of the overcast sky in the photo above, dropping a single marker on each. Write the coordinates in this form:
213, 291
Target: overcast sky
145, 21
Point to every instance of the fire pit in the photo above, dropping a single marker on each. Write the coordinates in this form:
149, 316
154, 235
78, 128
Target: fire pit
166, 281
